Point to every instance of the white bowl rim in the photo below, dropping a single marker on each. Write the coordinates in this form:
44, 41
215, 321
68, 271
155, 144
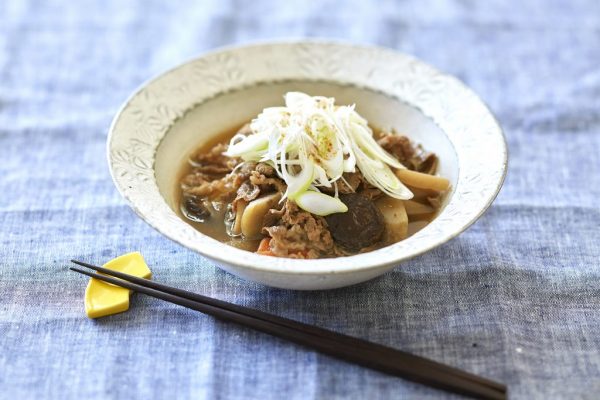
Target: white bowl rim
224, 253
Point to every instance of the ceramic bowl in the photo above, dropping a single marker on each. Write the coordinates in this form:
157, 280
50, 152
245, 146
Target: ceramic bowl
171, 115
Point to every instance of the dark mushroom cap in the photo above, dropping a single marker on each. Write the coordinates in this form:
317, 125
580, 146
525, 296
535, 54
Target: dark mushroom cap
194, 209
361, 226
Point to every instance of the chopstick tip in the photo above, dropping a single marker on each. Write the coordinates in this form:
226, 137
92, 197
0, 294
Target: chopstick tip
83, 264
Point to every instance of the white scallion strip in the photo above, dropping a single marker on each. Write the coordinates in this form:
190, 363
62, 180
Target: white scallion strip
320, 204
247, 144
311, 142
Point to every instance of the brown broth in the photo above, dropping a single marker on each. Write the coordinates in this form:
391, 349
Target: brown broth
215, 225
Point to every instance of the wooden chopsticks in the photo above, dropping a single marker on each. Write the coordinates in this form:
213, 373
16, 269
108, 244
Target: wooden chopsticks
368, 354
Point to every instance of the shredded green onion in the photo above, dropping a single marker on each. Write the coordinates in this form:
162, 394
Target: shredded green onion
311, 142
319, 203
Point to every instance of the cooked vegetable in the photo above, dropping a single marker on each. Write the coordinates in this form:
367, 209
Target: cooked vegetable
320, 204
264, 247
194, 208
254, 213
237, 224
416, 208
395, 217
360, 227
422, 195
422, 181
311, 142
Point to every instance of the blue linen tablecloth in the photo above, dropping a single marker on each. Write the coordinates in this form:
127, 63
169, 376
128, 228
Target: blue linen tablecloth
515, 298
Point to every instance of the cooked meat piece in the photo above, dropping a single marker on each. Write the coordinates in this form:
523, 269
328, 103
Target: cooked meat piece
243, 184
213, 169
246, 168
291, 242
211, 177
215, 157
299, 234
248, 191
361, 226
350, 182
429, 164
355, 182
265, 169
399, 146
265, 183
220, 189
274, 216
194, 178
411, 156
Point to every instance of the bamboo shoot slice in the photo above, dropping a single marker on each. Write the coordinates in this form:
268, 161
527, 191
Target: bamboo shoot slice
421, 195
416, 208
252, 218
395, 218
422, 181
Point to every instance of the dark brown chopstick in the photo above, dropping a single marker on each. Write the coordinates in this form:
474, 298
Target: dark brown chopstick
295, 325
372, 355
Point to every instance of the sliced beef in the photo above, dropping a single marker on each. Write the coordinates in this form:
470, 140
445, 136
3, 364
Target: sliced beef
223, 189
215, 158
350, 182
429, 163
247, 191
265, 169
399, 146
213, 169
299, 234
195, 178
354, 182
411, 156
266, 183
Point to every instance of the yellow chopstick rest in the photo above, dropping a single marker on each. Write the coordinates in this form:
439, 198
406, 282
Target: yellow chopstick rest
102, 299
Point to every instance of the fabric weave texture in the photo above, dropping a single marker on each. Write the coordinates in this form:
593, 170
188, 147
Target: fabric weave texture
515, 298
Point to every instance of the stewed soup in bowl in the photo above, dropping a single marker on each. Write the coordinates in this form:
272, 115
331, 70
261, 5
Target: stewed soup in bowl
285, 164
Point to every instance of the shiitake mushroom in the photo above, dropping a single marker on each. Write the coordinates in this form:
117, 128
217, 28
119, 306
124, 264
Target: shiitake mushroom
194, 208
361, 226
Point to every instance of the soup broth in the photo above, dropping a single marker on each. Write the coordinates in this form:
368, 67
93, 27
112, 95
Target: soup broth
420, 210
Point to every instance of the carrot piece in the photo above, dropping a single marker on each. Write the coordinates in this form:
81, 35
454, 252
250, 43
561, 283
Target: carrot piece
264, 247
264, 244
